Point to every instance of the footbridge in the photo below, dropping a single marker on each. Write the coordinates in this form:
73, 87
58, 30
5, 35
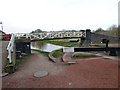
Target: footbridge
50, 35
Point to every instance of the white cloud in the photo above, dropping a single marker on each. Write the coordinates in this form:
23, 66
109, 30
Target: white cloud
28, 15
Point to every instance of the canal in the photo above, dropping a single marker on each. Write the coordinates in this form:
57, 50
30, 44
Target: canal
44, 46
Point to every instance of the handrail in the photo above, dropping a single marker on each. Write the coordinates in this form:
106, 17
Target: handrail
50, 35
10, 47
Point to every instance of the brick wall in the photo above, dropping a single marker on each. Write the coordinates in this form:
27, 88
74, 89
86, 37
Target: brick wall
97, 38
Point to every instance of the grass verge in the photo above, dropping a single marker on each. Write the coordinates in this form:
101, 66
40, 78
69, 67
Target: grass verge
10, 68
45, 53
57, 53
83, 56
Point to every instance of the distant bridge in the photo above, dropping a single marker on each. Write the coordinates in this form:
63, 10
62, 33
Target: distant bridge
50, 35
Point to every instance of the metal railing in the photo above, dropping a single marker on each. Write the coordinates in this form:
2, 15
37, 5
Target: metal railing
52, 35
10, 48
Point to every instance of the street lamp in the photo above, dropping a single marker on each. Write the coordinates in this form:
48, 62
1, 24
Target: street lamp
1, 25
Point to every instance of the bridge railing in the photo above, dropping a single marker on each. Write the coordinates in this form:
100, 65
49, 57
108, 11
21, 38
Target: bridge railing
50, 35
24, 35
10, 48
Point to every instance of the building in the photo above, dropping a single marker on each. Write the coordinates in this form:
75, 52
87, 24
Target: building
2, 34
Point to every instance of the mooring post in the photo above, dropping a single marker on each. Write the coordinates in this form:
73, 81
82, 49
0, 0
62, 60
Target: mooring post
107, 41
87, 39
88, 36
82, 38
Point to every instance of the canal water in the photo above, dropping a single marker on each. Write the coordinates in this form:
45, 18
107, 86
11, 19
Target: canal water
44, 46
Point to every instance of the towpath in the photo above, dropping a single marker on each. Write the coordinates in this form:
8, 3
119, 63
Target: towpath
91, 73
3, 53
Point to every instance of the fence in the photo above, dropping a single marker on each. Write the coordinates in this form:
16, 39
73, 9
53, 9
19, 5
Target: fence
10, 48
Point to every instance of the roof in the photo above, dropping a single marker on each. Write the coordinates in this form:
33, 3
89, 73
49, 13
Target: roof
2, 32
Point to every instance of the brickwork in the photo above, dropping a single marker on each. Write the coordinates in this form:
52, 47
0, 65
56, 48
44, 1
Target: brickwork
97, 38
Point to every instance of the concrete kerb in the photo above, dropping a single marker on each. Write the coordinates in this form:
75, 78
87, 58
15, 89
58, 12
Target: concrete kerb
68, 59
51, 57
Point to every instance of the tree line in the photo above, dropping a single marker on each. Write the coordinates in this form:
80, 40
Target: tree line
113, 30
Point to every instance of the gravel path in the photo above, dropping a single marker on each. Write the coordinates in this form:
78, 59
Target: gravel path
96, 73
3, 52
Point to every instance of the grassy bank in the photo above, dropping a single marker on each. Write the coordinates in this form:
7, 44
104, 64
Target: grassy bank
57, 53
60, 42
83, 56
45, 53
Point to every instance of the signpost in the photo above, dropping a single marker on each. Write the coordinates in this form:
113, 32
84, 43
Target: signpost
1, 26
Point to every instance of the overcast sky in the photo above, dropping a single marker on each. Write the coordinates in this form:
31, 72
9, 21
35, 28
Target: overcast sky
53, 15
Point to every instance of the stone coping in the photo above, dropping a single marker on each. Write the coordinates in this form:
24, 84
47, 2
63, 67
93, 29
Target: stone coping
67, 57
51, 57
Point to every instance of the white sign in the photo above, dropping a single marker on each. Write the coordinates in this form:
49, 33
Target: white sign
68, 49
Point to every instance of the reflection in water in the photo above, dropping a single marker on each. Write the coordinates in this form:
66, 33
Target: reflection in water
37, 44
44, 46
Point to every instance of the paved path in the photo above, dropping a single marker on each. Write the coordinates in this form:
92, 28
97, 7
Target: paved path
0, 64
96, 73
3, 58
0, 56
3, 53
